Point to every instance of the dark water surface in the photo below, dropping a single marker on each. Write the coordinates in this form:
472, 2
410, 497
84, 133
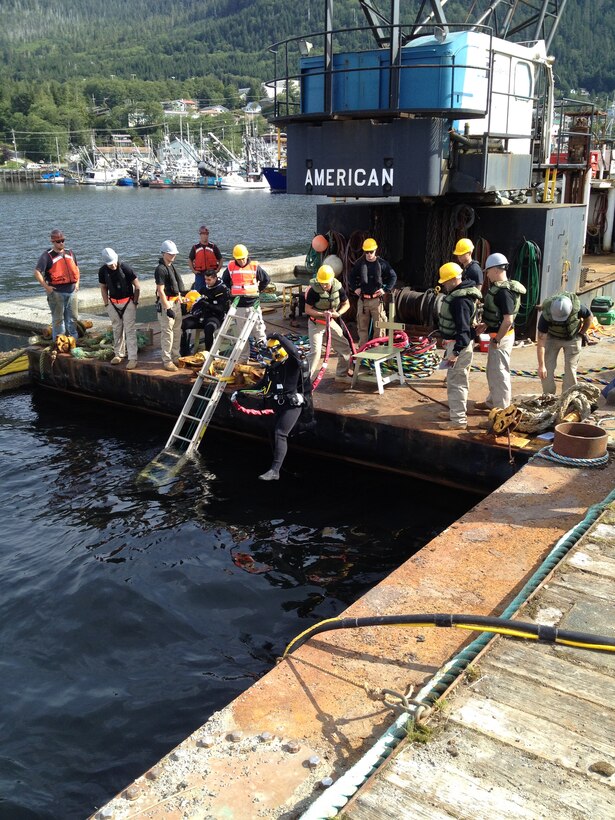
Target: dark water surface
135, 221
127, 617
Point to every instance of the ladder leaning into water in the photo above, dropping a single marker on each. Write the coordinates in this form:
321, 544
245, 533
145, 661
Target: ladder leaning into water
206, 392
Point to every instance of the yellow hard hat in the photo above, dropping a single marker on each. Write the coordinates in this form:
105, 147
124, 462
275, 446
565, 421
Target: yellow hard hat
325, 274
449, 271
463, 246
370, 245
190, 298
240, 252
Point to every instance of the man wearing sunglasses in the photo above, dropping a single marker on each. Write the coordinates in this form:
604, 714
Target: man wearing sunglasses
58, 274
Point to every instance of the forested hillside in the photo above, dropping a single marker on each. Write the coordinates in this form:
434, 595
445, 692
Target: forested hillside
154, 40
77, 64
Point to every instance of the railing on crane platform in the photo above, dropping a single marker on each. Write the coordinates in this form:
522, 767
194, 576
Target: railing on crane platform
291, 75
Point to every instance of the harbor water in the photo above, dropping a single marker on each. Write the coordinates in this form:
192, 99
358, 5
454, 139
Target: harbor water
135, 221
128, 616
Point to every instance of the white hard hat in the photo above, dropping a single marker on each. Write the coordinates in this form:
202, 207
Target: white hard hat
561, 308
168, 246
109, 256
496, 260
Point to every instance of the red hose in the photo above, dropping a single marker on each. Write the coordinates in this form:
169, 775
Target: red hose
325, 361
248, 411
400, 339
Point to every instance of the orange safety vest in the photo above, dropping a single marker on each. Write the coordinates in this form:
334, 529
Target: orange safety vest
243, 280
63, 270
204, 258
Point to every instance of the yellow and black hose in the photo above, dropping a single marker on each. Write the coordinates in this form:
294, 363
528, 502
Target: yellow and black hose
475, 623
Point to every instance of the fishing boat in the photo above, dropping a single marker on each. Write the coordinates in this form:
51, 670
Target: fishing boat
250, 182
276, 177
106, 175
53, 177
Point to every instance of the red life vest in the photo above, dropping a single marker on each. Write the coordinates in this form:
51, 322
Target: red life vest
244, 281
204, 258
63, 270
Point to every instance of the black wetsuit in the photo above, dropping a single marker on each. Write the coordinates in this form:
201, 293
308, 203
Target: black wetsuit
283, 385
207, 314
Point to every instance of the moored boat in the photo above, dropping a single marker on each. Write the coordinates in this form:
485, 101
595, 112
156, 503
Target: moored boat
52, 177
237, 182
276, 177
103, 176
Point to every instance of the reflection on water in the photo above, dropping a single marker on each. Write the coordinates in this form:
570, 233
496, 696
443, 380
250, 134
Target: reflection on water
127, 616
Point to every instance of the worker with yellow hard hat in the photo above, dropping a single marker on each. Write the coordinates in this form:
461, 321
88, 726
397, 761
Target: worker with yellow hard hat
471, 269
370, 278
325, 299
455, 320
246, 279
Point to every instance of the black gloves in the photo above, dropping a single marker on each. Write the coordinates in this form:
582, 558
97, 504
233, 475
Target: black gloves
170, 313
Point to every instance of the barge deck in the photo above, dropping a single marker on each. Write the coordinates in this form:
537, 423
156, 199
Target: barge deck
315, 714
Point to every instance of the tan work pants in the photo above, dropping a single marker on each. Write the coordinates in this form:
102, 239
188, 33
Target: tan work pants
369, 310
498, 372
457, 382
339, 341
572, 352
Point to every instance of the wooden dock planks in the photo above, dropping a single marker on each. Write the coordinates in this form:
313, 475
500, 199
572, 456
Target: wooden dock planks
521, 739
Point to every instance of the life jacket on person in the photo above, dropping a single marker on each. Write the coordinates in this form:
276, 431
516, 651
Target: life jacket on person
446, 322
569, 328
492, 315
204, 258
243, 280
327, 300
173, 284
63, 270
118, 286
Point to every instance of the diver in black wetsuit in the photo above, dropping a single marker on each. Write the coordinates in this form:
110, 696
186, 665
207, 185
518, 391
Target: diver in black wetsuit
286, 389
206, 313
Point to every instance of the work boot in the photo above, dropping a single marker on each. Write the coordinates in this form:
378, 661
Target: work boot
482, 405
270, 475
131, 364
116, 360
452, 425
172, 368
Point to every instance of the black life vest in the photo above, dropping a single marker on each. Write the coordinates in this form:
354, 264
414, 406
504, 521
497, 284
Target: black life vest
116, 281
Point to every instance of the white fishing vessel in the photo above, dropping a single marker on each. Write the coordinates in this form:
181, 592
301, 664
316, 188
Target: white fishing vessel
247, 182
107, 175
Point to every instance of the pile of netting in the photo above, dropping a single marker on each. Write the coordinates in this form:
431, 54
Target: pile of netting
542, 412
101, 346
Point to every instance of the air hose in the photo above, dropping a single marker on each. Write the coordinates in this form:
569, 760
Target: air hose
325, 361
337, 795
475, 623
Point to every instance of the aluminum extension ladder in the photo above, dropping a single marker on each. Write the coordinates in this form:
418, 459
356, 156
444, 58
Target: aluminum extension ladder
205, 394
